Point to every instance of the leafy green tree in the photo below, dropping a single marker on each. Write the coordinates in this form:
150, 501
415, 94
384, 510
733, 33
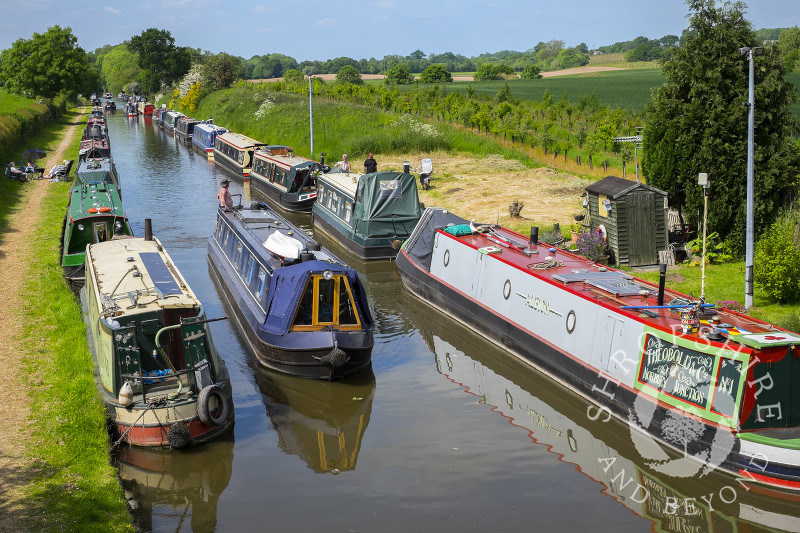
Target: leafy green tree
435, 74
531, 72
697, 122
221, 70
159, 58
350, 75
119, 67
48, 64
399, 74
571, 57
504, 93
293, 76
789, 45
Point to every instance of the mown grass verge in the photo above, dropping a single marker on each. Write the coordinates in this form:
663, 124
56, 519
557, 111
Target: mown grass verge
75, 488
726, 282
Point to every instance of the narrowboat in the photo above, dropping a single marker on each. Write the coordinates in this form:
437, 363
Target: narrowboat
204, 135
555, 419
95, 129
158, 115
160, 378
286, 179
171, 118
111, 106
131, 109
707, 382
235, 152
184, 128
321, 422
300, 309
94, 149
94, 214
145, 108
98, 170
370, 214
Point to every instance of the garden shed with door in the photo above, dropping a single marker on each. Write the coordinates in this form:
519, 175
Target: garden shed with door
633, 217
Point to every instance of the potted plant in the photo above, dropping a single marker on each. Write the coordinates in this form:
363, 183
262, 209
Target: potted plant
593, 246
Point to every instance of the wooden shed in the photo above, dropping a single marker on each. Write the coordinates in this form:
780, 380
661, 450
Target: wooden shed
634, 217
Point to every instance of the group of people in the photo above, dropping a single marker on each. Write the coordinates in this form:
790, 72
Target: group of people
226, 201
370, 165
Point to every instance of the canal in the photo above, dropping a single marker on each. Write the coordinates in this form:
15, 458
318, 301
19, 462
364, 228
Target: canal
445, 433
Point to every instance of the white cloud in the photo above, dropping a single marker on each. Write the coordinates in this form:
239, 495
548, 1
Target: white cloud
112, 10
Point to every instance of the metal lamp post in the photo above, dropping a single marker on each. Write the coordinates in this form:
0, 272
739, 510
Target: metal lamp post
310, 116
748, 259
702, 180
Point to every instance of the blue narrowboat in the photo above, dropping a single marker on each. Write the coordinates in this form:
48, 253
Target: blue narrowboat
301, 309
205, 133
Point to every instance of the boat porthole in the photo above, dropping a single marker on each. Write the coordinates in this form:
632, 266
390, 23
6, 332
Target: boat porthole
507, 289
446, 257
571, 321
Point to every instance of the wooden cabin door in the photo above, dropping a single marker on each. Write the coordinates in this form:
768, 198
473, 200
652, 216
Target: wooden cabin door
642, 229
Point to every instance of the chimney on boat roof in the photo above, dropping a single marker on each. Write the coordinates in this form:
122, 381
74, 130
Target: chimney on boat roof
148, 229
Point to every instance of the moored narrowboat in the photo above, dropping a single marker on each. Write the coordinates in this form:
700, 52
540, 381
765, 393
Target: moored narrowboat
301, 310
131, 109
370, 214
204, 135
171, 118
285, 178
184, 128
235, 152
94, 149
94, 215
712, 384
98, 170
159, 376
145, 108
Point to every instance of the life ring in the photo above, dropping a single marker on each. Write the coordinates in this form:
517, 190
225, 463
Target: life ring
213, 416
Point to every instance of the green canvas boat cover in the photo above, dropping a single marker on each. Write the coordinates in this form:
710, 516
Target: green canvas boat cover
387, 204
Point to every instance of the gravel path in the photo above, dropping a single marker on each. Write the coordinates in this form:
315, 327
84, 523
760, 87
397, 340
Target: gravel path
17, 463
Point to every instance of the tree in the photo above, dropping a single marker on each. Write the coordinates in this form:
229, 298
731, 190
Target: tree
435, 74
399, 75
159, 58
504, 93
48, 64
531, 72
789, 45
697, 122
119, 67
294, 76
221, 70
350, 75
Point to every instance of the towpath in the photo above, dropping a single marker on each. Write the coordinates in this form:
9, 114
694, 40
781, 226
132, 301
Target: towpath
17, 463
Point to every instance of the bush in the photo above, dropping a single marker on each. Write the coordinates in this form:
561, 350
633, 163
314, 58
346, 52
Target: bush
777, 260
592, 246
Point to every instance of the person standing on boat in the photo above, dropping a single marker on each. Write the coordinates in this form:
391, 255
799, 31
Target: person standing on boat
225, 199
344, 164
370, 165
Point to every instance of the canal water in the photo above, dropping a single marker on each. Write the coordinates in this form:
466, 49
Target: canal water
445, 433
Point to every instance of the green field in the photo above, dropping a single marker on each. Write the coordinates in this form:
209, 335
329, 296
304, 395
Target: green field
10, 103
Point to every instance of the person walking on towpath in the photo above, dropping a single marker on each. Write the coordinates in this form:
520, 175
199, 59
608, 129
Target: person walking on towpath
370, 165
224, 195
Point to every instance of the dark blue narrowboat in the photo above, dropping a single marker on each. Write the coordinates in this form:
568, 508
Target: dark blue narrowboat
301, 309
204, 136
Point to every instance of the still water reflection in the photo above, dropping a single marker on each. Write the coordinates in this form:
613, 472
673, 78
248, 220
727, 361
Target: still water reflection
444, 433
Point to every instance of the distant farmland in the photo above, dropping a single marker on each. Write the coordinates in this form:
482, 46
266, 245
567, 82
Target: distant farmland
628, 89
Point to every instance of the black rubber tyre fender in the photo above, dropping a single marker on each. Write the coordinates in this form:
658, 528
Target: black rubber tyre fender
213, 416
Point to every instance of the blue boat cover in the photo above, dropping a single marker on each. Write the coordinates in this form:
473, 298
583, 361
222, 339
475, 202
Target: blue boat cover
286, 287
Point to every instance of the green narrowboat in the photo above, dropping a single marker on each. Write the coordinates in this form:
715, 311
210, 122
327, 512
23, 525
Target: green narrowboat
98, 170
370, 214
94, 215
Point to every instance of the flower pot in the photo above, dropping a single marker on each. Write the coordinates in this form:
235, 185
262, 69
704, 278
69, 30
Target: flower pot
575, 236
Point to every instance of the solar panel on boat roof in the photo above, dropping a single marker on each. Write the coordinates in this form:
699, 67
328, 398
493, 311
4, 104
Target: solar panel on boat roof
160, 274
618, 287
587, 276
259, 216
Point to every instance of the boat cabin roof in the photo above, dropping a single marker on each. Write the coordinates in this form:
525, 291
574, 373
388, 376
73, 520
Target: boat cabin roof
210, 127
238, 141
96, 199
286, 160
134, 276
347, 182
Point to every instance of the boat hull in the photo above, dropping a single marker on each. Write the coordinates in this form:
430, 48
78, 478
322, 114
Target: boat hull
288, 201
357, 247
293, 353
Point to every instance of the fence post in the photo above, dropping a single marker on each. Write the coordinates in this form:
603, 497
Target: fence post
578, 160
591, 166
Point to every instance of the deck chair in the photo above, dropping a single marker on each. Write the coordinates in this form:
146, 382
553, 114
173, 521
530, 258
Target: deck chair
425, 176
61, 172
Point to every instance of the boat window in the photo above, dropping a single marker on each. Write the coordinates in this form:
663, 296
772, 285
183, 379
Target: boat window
99, 232
237, 254
347, 310
249, 269
261, 279
230, 241
244, 265
305, 311
391, 189
327, 290
348, 208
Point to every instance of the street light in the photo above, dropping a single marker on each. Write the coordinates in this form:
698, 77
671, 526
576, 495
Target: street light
702, 180
748, 254
310, 116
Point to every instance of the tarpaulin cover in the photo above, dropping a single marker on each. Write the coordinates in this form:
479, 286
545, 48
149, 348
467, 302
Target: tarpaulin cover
387, 204
419, 246
286, 287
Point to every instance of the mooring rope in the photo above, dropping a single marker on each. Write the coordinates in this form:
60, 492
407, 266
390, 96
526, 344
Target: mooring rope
119, 440
546, 264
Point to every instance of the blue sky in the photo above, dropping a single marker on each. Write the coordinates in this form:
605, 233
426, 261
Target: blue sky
324, 29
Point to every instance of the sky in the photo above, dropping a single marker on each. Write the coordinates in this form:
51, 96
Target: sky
326, 29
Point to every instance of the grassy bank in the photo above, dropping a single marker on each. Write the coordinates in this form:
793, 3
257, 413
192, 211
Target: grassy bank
74, 487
